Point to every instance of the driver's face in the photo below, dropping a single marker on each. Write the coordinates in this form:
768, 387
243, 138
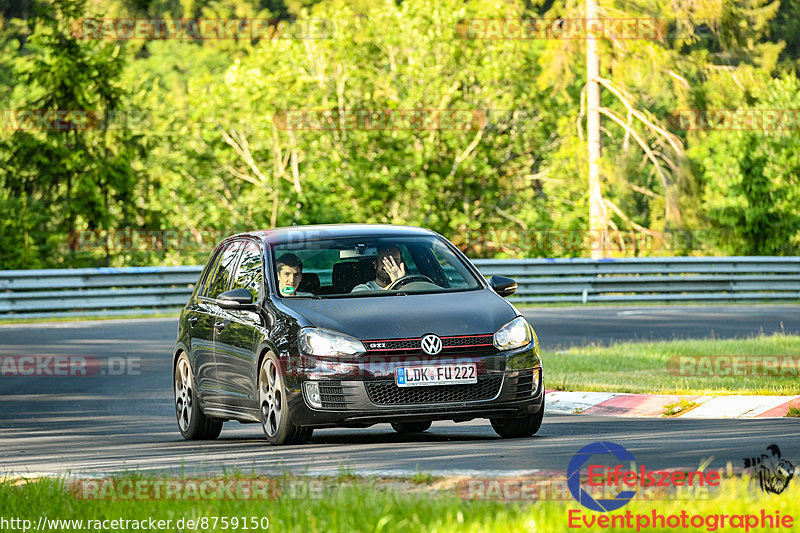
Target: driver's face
289, 277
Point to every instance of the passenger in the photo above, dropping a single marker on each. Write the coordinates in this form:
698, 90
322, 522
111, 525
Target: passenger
389, 267
290, 272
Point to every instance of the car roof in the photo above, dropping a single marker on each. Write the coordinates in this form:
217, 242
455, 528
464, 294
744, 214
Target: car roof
328, 231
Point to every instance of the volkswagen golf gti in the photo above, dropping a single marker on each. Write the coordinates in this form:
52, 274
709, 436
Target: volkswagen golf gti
348, 326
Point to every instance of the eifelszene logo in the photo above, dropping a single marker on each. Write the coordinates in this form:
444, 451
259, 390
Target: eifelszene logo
774, 473
602, 479
574, 476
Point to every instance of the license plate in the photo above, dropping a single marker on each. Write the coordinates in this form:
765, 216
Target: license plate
421, 376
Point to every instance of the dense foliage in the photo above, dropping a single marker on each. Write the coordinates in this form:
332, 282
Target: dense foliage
394, 112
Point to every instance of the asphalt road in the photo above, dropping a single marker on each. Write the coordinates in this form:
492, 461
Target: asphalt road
121, 417
565, 326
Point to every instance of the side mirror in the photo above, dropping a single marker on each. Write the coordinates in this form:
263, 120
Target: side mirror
238, 299
502, 285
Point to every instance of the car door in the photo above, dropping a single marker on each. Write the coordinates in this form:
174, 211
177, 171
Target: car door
209, 317
234, 346
199, 319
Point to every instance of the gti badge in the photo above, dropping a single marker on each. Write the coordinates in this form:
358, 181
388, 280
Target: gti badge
431, 344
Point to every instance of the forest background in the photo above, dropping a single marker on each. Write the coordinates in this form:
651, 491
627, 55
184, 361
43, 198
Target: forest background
118, 151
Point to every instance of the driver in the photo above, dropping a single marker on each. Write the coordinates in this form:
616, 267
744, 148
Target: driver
290, 272
388, 268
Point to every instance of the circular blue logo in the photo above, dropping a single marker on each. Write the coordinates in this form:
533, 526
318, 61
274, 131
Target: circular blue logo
574, 476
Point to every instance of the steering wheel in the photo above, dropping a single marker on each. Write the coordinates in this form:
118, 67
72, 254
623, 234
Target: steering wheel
405, 280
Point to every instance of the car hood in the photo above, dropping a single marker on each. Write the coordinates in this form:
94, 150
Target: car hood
411, 316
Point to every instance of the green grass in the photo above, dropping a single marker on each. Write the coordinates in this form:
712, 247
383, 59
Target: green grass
377, 505
345, 473
680, 406
644, 367
422, 478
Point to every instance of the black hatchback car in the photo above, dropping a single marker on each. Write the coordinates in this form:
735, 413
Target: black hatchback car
352, 325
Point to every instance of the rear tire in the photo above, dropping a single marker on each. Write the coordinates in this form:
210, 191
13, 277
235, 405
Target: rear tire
512, 428
410, 427
192, 422
275, 417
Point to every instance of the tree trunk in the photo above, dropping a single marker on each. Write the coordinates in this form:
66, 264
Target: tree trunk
597, 210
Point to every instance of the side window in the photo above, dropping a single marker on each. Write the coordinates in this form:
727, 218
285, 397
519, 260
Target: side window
249, 274
224, 273
208, 273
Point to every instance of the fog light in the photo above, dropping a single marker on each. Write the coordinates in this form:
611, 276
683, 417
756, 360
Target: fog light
311, 389
537, 376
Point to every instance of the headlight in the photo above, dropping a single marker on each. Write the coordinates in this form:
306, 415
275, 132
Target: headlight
515, 334
322, 342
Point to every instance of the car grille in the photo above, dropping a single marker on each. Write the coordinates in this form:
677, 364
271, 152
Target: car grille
384, 392
332, 395
471, 344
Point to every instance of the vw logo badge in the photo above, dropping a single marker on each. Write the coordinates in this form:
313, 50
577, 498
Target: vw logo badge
431, 344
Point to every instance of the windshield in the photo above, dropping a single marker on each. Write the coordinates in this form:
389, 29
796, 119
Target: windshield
359, 267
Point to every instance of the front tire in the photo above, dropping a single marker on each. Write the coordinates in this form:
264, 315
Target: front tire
275, 416
410, 427
192, 422
512, 428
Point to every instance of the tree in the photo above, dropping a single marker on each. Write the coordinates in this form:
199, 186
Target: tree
753, 178
75, 172
598, 218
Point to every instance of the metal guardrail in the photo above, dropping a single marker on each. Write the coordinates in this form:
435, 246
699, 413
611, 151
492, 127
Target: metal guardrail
150, 290
95, 291
651, 279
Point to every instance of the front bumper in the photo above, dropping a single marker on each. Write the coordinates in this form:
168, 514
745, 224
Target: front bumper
363, 392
